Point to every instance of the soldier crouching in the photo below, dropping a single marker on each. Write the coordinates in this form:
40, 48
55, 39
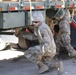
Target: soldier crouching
63, 38
43, 53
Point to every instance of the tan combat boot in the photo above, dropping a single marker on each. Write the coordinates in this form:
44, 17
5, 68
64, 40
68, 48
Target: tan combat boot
42, 67
59, 66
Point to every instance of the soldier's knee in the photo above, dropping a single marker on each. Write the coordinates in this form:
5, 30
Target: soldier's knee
54, 52
27, 55
52, 55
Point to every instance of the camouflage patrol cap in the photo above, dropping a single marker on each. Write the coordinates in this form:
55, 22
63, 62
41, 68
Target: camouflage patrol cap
37, 16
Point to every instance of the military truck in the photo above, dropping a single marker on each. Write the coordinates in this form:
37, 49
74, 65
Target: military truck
16, 17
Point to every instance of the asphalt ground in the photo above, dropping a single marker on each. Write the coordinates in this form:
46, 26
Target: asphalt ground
10, 64
13, 62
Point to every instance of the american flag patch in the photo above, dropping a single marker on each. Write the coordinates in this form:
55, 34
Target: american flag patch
73, 23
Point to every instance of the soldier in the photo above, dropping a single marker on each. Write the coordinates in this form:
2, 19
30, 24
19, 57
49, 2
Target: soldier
43, 53
63, 38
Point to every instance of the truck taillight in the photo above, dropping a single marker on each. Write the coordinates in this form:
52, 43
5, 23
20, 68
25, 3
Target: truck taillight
59, 6
39, 7
28, 8
12, 8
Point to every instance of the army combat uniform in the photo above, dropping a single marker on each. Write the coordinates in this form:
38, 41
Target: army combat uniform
63, 38
43, 53
46, 45
46, 50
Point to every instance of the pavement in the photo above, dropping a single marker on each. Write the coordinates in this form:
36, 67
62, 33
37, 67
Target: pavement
12, 62
22, 66
25, 67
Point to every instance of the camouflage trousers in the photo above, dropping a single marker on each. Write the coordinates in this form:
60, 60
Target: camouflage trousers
63, 40
33, 52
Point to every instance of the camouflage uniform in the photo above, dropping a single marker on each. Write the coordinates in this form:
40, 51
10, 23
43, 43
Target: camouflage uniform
43, 53
63, 38
46, 47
